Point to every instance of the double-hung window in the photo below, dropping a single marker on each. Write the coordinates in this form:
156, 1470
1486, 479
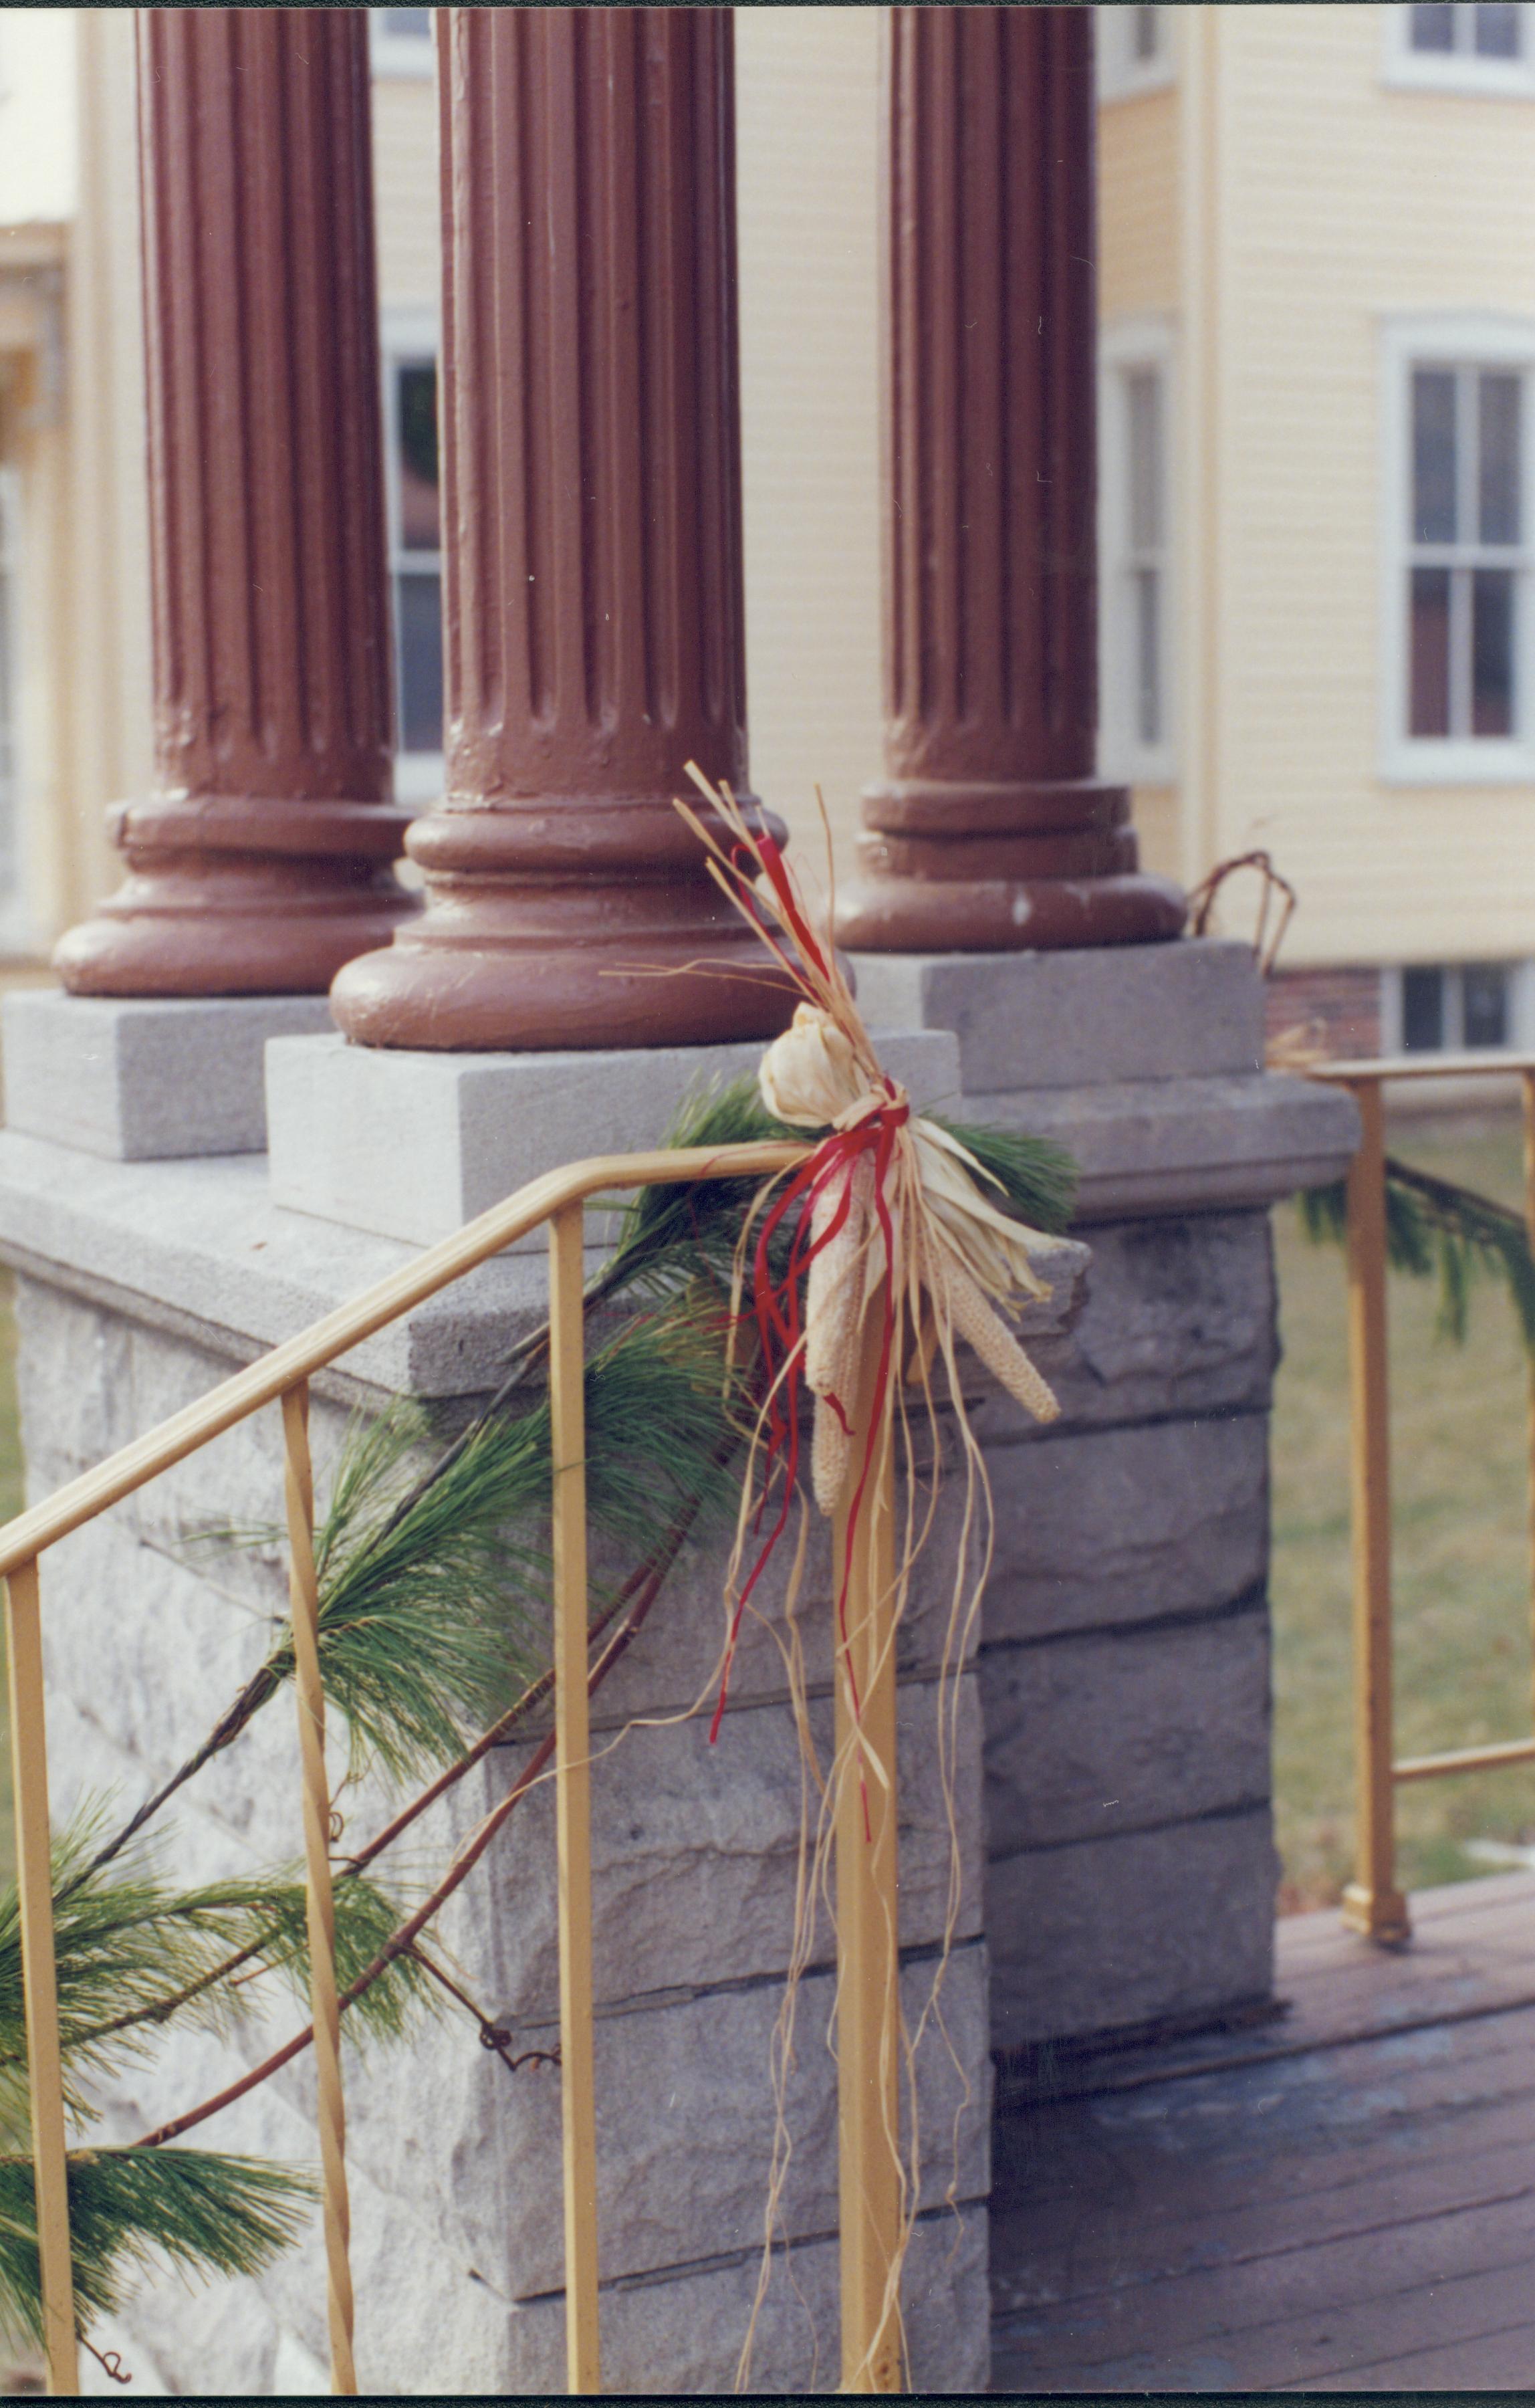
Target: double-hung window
1135, 548
1460, 609
415, 548
1470, 46
1444, 1008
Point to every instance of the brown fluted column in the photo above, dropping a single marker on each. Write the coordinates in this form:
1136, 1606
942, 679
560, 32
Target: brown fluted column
263, 861
593, 588
990, 831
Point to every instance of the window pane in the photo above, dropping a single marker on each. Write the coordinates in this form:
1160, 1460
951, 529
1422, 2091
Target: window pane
1429, 706
416, 402
1433, 27
1497, 29
1148, 655
1143, 33
1433, 456
419, 597
1492, 652
1484, 993
1143, 396
1422, 1010
1498, 478
414, 24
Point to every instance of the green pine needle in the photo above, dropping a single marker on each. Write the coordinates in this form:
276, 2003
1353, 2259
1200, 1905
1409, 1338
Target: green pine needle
133, 1952
1435, 1229
209, 2213
671, 1232
1038, 1177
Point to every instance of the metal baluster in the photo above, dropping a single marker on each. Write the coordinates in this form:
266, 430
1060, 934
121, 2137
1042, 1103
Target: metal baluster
1373, 1903
868, 1930
44, 2072
303, 1597
573, 1793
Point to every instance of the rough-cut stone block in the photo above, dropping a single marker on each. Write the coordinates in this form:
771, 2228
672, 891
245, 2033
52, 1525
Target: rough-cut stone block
1087, 1738
696, 1846
1177, 1318
430, 2319
1110, 1934
1078, 1019
1181, 1145
144, 1080
1116, 1526
481, 1125
699, 1849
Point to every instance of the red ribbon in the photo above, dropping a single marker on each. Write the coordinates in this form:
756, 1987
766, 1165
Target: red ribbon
776, 1305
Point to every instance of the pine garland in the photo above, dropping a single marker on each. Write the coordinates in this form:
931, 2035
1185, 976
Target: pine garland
434, 1590
1437, 1229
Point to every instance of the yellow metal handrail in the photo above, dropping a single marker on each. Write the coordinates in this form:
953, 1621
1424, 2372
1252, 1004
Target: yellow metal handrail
1373, 1904
868, 1934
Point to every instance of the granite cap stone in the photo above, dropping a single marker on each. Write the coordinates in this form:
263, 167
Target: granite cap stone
150, 1079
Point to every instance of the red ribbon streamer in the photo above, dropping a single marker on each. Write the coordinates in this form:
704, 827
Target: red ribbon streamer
776, 1305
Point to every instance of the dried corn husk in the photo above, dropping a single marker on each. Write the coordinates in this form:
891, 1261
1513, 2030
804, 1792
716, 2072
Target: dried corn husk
836, 1292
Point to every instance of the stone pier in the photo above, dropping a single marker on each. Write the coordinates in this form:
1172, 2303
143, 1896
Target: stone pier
1125, 1651
141, 1282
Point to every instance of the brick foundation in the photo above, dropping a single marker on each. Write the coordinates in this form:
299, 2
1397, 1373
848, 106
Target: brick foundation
1338, 1010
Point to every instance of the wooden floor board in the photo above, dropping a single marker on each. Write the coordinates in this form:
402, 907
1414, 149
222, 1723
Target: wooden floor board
1346, 2200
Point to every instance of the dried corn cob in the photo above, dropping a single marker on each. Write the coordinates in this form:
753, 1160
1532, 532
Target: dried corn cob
833, 1299
994, 1344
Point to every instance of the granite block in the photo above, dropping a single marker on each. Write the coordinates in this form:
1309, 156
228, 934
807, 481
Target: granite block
1178, 1146
1110, 1934
145, 1079
1112, 1527
481, 1125
1078, 1019
1088, 1737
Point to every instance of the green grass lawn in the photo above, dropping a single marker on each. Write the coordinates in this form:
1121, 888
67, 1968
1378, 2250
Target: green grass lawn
1461, 1549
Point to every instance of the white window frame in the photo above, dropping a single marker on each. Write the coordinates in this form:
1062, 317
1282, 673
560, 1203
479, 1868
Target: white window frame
1131, 344
1121, 76
1449, 339
406, 56
1520, 1036
1459, 71
406, 334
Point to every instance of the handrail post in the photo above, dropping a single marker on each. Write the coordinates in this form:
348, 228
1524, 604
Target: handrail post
869, 2178
573, 1791
304, 1599
1371, 1903
34, 1881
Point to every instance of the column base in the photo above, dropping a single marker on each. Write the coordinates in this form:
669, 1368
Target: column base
996, 915
634, 967
229, 896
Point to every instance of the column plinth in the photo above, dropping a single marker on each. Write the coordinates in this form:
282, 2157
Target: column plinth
594, 615
263, 861
990, 831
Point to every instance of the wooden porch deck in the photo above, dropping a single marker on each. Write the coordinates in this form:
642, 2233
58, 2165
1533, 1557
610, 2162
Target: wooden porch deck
1340, 2199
